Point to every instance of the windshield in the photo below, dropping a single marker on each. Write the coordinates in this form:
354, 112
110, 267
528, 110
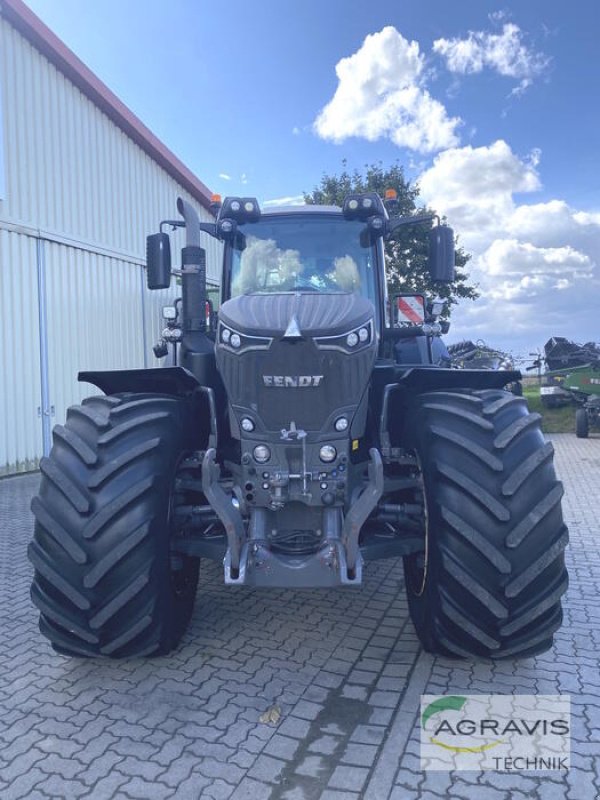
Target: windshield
296, 253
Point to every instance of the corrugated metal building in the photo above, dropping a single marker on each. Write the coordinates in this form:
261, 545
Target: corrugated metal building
82, 181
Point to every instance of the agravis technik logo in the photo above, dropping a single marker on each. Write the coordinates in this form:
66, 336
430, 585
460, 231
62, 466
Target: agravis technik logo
500, 732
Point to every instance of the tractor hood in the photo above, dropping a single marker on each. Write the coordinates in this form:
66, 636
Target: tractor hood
314, 313
299, 357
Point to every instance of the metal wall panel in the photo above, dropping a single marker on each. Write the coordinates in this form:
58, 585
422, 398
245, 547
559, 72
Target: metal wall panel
70, 171
20, 428
78, 188
94, 310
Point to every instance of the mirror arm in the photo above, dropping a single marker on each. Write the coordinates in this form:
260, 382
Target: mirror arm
397, 222
207, 227
172, 223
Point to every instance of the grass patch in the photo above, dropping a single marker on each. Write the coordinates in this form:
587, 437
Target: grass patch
554, 420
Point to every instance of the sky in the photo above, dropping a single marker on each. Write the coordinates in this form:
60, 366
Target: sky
492, 108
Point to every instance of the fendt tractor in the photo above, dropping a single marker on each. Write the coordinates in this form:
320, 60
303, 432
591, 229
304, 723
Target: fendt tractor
304, 428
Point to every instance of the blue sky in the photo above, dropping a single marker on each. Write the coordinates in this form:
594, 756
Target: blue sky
492, 107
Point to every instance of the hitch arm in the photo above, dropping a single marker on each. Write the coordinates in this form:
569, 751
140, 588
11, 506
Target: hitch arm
360, 510
229, 515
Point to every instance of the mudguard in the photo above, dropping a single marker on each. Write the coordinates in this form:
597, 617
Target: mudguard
175, 381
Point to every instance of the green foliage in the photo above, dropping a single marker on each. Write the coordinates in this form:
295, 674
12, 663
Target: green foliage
406, 255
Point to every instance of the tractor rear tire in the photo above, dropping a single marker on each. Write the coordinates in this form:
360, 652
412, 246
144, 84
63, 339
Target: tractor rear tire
490, 582
582, 427
105, 581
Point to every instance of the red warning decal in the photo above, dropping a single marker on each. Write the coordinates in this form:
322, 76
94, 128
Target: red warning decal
411, 309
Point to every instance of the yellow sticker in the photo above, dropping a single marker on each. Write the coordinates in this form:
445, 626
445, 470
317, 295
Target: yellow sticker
355, 444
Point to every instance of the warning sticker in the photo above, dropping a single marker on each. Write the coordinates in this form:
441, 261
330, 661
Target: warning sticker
411, 309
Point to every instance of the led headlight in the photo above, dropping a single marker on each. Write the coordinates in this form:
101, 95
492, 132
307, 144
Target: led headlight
225, 335
235, 205
169, 312
249, 207
353, 205
367, 203
262, 453
327, 453
352, 339
227, 225
341, 424
172, 334
363, 334
247, 424
235, 340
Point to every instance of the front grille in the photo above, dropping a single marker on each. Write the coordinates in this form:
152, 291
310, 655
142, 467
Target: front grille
345, 377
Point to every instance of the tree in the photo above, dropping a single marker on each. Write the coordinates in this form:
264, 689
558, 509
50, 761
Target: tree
405, 255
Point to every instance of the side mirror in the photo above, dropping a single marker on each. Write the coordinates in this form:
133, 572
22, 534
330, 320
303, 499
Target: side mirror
441, 254
158, 261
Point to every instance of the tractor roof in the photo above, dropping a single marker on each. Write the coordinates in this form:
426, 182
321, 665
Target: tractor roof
300, 209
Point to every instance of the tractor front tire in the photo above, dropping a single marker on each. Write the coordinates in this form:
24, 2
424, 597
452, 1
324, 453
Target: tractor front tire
105, 582
582, 427
490, 581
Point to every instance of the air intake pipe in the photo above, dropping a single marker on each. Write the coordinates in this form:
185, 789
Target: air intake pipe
193, 275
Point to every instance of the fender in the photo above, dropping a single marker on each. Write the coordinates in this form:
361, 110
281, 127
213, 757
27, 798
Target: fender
428, 379
431, 378
175, 381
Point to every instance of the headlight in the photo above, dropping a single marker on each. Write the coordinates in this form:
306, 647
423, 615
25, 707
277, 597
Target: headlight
341, 424
172, 334
327, 453
247, 424
262, 453
353, 341
241, 342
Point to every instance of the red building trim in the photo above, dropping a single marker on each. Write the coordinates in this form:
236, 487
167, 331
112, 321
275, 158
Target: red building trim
42, 38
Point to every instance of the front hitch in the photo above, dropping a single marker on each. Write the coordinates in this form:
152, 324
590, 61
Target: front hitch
226, 511
360, 510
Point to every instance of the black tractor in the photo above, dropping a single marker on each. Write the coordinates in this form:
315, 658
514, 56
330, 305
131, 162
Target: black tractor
306, 427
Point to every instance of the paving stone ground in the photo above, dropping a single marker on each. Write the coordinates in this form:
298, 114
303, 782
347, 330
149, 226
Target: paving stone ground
343, 666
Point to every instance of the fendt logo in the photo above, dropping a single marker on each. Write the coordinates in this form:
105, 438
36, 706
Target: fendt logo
292, 381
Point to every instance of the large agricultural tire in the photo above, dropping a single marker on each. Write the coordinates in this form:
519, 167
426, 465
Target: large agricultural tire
105, 582
490, 582
582, 427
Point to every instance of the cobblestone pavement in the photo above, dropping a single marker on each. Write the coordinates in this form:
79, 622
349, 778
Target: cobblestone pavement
344, 667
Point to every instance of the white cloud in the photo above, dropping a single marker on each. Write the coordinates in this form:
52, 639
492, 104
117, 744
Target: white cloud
381, 94
511, 257
296, 200
224, 176
506, 53
474, 187
535, 263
